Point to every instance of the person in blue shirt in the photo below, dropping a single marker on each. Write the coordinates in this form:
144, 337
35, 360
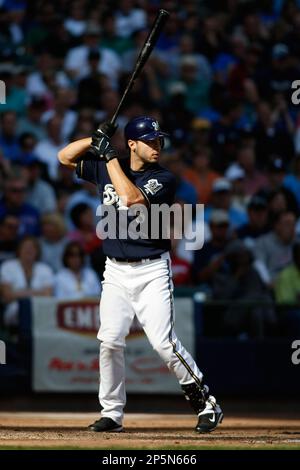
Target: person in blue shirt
14, 203
9, 143
137, 277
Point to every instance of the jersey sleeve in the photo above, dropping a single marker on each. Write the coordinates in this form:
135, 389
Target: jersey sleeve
88, 168
159, 188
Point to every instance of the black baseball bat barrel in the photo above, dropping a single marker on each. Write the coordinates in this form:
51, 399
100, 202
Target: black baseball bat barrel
148, 46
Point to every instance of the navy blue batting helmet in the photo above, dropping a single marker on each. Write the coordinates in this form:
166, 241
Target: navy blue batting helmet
143, 128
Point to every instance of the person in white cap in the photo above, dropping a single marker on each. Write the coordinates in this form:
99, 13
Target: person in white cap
222, 199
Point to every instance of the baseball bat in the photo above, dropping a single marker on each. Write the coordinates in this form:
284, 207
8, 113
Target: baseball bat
147, 48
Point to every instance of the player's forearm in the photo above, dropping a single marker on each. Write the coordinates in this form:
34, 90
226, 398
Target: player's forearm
125, 189
70, 154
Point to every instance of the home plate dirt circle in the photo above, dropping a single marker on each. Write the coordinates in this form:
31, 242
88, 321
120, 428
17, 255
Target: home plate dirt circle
144, 431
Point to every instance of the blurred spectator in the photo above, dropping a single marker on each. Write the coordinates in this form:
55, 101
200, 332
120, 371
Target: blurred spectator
287, 291
272, 136
276, 172
181, 268
16, 17
5, 169
191, 23
91, 86
85, 123
168, 41
254, 179
130, 56
185, 192
187, 48
40, 194
27, 143
109, 102
209, 259
87, 195
287, 286
200, 174
47, 149
75, 23
24, 277
225, 134
148, 90
84, 233
9, 144
273, 251
240, 197
42, 81
129, 18
200, 132
257, 221
292, 36
278, 201
210, 41
9, 228
222, 199
75, 281
241, 282
177, 118
31, 122
76, 63
297, 136
57, 42
197, 90
13, 203
227, 58
53, 240
16, 98
63, 100
39, 35
278, 76
292, 180
195, 232
65, 181
244, 72
110, 37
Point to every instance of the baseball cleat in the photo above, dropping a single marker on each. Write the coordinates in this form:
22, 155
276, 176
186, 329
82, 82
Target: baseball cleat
105, 425
210, 417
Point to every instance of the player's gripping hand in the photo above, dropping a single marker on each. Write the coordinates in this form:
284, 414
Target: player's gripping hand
101, 147
108, 129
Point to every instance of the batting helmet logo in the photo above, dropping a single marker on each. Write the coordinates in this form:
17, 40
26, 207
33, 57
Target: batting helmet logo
155, 125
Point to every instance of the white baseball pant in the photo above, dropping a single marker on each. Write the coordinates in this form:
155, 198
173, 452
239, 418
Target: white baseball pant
144, 289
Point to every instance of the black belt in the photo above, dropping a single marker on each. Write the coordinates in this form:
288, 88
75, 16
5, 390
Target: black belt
135, 260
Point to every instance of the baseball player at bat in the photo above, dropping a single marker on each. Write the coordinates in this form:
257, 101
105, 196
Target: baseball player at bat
137, 277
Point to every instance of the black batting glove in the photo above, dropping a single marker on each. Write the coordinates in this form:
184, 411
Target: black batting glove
108, 129
101, 147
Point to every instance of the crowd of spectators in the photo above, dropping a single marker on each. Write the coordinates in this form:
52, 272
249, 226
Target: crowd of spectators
220, 83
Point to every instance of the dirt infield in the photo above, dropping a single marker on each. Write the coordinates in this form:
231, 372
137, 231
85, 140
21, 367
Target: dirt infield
144, 431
